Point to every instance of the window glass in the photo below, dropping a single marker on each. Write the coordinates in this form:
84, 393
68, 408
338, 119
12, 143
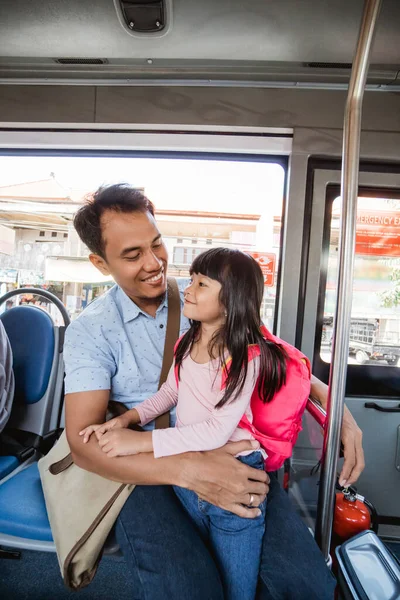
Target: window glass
375, 314
200, 203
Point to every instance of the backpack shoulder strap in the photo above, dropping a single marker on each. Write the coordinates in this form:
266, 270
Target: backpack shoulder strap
293, 352
176, 368
177, 343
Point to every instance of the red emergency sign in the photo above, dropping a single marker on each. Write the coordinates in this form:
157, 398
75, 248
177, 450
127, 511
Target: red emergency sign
267, 261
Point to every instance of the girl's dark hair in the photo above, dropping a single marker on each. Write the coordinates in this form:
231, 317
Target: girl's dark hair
241, 295
120, 197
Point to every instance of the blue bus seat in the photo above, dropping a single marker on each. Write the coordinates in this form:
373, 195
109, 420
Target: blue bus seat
22, 507
31, 334
7, 465
38, 372
23, 517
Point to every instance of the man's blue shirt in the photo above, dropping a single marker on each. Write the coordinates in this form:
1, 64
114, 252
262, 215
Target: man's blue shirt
114, 345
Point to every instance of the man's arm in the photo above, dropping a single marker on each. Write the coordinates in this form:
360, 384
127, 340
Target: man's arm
215, 476
351, 437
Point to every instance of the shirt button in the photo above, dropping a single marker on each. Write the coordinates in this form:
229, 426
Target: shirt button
161, 326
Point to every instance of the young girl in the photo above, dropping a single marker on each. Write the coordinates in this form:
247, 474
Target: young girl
223, 304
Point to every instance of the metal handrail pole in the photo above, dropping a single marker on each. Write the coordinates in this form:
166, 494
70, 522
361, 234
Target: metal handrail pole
340, 349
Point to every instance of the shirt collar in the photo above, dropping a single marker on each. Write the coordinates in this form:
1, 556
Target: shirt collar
130, 309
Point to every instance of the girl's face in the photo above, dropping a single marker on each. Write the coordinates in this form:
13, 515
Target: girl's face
202, 300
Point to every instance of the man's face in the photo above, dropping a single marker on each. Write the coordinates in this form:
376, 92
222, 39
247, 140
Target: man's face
135, 254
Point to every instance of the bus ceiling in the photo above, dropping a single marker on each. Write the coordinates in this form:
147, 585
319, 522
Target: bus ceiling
176, 42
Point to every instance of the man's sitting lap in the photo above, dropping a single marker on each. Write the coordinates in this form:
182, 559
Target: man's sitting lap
168, 559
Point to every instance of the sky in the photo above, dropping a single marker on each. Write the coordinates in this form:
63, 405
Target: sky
178, 184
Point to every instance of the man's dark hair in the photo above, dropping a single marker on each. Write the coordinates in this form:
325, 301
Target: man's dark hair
121, 198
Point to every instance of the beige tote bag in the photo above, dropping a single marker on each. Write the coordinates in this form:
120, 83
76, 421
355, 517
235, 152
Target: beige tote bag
82, 507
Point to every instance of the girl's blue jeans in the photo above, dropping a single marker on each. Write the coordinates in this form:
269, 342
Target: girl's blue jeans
234, 542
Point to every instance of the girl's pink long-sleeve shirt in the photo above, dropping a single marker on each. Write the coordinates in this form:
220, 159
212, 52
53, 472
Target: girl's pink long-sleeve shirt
199, 425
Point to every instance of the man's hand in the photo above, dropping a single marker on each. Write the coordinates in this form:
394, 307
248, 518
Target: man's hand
353, 452
125, 442
219, 478
351, 436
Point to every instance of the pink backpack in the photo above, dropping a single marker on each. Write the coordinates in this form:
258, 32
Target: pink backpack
277, 424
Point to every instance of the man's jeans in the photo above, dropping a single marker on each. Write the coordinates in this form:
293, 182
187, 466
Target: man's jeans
168, 560
234, 542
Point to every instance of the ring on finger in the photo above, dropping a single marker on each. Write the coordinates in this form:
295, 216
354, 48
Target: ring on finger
251, 500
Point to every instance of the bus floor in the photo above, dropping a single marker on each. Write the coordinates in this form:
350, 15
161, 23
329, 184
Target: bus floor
36, 576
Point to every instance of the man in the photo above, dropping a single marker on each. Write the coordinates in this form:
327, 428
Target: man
114, 351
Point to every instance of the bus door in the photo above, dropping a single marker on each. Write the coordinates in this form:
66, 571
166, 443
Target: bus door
373, 369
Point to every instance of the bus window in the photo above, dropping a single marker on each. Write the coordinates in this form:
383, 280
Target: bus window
201, 202
375, 314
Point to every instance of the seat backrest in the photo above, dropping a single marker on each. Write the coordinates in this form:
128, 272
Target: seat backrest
31, 334
38, 369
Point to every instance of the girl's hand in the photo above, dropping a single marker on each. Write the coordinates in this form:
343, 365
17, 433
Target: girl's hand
123, 442
120, 422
